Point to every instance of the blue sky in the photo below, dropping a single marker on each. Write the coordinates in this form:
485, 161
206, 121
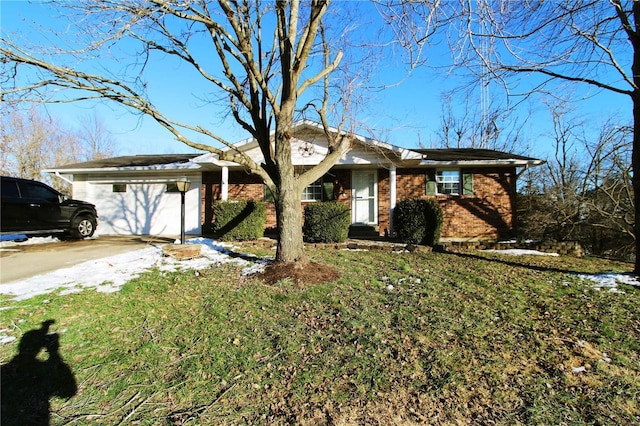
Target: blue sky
406, 114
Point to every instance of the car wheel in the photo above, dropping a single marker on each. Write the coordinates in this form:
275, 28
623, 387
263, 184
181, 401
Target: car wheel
83, 227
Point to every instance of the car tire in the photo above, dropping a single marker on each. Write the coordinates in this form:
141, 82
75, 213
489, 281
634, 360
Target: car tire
83, 227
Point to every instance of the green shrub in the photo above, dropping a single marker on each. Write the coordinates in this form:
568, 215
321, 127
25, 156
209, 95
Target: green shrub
409, 221
238, 220
433, 221
418, 221
326, 222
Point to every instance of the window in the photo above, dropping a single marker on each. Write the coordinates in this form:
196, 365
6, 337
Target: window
9, 189
448, 182
38, 192
119, 187
313, 192
319, 190
172, 187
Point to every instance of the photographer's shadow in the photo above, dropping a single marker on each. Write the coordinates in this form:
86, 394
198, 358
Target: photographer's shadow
30, 379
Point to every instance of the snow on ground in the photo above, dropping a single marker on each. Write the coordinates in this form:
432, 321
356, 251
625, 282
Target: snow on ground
521, 252
609, 281
111, 273
9, 240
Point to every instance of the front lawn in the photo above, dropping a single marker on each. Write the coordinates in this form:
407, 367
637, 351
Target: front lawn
399, 338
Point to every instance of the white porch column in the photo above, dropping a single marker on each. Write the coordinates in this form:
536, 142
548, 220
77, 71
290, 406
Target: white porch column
392, 197
224, 184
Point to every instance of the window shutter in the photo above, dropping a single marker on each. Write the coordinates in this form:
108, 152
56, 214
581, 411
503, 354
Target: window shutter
432, 187
268, 195
327, 190
467, 183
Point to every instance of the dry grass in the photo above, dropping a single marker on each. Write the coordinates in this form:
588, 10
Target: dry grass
414, 338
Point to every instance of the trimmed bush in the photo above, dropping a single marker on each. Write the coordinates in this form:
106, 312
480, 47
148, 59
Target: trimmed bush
433, 221
418, 221
238, 220
409, 221
326, 222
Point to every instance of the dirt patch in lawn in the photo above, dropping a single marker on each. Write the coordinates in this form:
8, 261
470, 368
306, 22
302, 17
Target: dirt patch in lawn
301, 274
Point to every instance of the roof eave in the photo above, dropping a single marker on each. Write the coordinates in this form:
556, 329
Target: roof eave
165, 167
483, 163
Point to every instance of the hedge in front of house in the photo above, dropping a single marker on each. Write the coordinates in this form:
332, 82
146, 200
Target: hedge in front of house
418, 221
326, 222
433, 221
238, 220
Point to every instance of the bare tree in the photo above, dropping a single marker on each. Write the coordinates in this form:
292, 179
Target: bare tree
584, 191
263, 57
32, 140
534, 46
95, 139
469, 127
609, 198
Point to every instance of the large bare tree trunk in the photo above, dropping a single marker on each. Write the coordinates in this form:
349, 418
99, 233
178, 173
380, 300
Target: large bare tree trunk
288, 201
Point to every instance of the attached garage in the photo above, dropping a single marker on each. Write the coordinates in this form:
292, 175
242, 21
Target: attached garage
137, 195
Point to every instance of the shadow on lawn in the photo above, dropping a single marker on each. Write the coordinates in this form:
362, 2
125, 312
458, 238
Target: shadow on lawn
29, 380
541, 268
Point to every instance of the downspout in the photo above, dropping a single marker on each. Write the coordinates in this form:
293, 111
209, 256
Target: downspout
70, 182
524, 169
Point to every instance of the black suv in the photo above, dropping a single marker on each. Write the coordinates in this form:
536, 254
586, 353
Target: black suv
33, 208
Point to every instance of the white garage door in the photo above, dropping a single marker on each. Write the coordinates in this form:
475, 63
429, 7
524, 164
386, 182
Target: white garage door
144, 208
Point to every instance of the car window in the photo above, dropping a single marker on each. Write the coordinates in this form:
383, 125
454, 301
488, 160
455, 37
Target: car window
9, 189
40, 192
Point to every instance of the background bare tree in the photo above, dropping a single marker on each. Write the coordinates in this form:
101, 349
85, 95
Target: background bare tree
95, 139
530, 47
33, 140
584, 191
464, 125
268, 61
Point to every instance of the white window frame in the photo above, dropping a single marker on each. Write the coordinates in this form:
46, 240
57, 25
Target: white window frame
312, 191
448, 178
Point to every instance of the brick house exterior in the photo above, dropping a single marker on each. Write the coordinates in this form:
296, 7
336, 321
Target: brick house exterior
475, 188
485, 215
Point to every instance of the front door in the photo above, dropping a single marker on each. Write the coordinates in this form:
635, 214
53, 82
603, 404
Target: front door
364, 204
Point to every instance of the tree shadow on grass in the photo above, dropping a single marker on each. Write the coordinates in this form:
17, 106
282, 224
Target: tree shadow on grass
29, 380
569, 269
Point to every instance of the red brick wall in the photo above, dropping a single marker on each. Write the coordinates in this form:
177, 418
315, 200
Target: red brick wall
384, 202
487, 214
243, 186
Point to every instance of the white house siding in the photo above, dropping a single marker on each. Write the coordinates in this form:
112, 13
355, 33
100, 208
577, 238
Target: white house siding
145, 208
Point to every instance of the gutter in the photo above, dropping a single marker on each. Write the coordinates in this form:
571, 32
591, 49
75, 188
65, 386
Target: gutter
57, 174
486, 163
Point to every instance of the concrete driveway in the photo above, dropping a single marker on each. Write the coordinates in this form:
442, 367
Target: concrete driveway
22, 261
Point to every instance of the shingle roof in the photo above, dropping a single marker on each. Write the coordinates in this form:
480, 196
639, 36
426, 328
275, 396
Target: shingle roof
469, 154
131, 161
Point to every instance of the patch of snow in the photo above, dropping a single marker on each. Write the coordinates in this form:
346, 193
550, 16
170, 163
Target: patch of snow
111, 273
609, 281
521, 252
6, 339
578, 370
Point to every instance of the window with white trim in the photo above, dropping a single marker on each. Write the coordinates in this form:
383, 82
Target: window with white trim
448, 182
313, 192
